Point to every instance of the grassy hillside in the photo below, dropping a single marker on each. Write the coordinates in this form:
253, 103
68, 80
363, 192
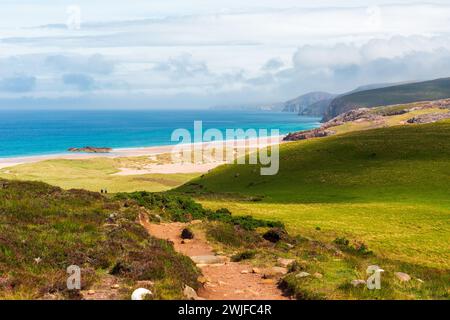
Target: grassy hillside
406, 93
44, 229
388, 187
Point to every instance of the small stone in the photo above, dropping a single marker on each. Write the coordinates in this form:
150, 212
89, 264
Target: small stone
318, 275
302, 274
207, 260
140, 294
357, 283
222, 283
285, 262
115, 286
238, 291
245, 272
91, 292
190, 293
290, 246
280, 270
403, 277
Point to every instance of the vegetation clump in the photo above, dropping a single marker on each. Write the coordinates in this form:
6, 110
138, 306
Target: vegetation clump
183, 208
187, 233
356, 247
245, 255
44, 230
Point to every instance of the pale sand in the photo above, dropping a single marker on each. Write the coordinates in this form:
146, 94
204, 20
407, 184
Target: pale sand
150, 151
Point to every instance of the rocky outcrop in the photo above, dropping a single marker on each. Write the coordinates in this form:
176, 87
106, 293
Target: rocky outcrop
352, 115
91, 150
303, 135
429, 118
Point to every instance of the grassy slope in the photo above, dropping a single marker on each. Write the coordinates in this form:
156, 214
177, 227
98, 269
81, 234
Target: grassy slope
94, 174
62, 228
406, 93
387, 187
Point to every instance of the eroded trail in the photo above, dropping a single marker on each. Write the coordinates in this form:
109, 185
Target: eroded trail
225, 280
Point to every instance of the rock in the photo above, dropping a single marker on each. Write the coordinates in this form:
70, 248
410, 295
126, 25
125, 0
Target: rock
208, 259
190, 293
290, 246
245, 272
318, 275
302, 274
308, 134
429, 118
403, 277
280, 270
187, 234
140, 294
91, 292
285, 262
115, 286
357, 283
91, 150
274, 235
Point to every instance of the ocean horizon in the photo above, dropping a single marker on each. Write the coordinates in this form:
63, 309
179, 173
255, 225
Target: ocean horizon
49, 132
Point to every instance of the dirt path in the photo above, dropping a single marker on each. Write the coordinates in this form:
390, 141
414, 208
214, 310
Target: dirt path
224, 281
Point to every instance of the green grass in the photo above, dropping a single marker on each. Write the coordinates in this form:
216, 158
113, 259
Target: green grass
387, 187
94, 175
76, 227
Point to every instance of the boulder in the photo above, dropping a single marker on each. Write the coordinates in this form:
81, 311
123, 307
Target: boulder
91, 150
403, 277
285, 262
302, 275
429, 118
140, 294
208, 259
190, 293
318, 275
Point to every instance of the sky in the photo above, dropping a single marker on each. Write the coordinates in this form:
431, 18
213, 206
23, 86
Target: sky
203, 53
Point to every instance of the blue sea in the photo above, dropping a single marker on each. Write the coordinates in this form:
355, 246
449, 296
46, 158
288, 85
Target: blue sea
28, 133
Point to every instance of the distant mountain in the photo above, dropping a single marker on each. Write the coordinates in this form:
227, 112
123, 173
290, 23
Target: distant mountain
397, 94
303, 104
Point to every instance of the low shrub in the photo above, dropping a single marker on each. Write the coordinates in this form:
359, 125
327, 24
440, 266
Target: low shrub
245, 255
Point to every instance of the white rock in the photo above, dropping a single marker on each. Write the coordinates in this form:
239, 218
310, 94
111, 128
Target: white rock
190, 293
403, 277
140, 294
302, 274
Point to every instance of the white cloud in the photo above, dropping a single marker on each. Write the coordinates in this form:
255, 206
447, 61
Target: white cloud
210, 50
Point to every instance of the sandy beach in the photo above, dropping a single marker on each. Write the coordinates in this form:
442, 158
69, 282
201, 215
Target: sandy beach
177, 167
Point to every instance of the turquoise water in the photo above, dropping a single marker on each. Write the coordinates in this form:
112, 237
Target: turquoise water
26, 133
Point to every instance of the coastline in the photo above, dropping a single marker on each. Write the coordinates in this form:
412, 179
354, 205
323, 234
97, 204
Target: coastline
138, 151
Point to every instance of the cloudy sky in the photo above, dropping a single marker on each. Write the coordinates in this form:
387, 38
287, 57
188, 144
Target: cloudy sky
202, 53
